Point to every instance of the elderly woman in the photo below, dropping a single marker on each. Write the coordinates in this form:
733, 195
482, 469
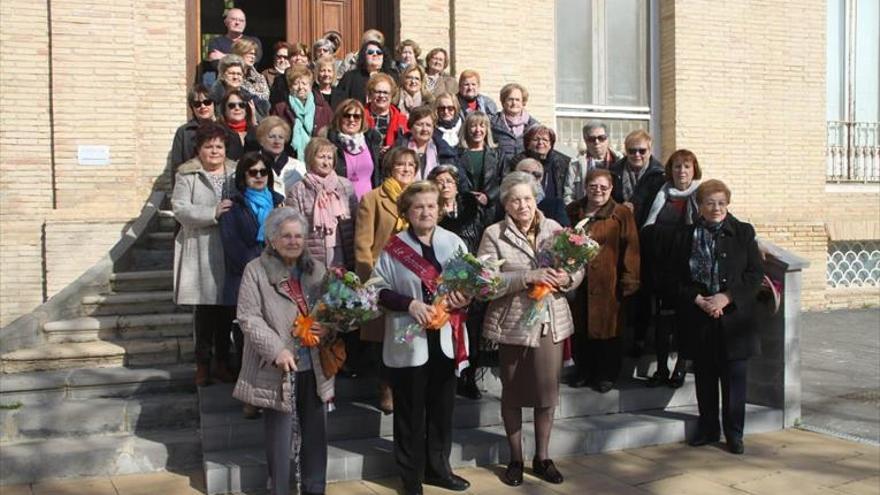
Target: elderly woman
280, 62
358, 147
183, 147
232, 70
406, 55
530, 356
299, 55
382, 115
461, 214
596, 154
449, 120
479, 161
199, 199
717, 274
371, 59
304, 109
552, 207
325, 78
278, 375
253, 82
540, 141
322, 47
377, 220
431, 151
436, 78
412, 91
240, 122
674, 205
469, 97
422, 371
611, 276
329, 203
510, 124
273, 134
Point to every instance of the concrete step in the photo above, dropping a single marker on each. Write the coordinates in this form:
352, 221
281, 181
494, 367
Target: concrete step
147, 258
100, 455
245, 469
98, 416
89, 328
142, 280
99, 354
160, 240
56, 386
167, 222
225, 428
130, 303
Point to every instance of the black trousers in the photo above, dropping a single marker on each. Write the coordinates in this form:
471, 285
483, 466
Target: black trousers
424, 397
313, 434
640, 308
710, 368
213, 326
667, 326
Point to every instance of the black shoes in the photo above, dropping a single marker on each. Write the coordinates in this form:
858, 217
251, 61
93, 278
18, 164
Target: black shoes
735, 446
603, 386
453, 482
657, 379
677, 378
703, 439
547, 471
467, 387
513, 475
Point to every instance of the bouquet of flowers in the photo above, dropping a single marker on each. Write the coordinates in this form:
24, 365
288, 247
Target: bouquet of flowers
345, 303
472, 276
568, 250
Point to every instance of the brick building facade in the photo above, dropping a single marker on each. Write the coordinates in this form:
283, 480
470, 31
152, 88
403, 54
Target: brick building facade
743, 86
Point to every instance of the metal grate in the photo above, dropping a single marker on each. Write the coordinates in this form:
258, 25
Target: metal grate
853, 264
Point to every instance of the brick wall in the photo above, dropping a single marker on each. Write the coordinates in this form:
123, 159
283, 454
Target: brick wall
425, 21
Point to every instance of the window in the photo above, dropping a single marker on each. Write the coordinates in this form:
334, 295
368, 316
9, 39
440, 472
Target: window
603, 67
853, 86
853, 264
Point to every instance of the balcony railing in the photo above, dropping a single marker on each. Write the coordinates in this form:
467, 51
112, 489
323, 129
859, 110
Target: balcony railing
853, 152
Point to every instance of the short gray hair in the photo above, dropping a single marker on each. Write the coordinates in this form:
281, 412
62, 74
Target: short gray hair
528, 161
272, 227
322, 43
517, 178
594, 124
230, 60
444, 169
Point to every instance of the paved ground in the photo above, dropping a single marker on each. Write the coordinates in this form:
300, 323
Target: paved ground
840, 372
793, 461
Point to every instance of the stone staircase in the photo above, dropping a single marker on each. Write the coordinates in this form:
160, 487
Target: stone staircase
361, 436
110, 390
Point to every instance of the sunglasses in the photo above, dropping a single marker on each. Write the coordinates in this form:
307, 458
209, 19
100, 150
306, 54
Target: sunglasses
352, 116
373, 51
207, 102
233, 105
637, 151
258, 172
448, 108
597, 139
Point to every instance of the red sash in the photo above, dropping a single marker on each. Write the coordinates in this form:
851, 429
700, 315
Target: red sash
429, 275
294, 290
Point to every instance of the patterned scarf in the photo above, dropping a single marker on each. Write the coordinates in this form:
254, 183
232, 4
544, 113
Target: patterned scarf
353, 144
703, 262
393, 188
303, 124
329, 207
517, 125
630, 179
408, 101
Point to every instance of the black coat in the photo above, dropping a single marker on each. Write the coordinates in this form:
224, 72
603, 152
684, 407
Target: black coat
555, 168
470, 221
644, 191
508, 144
354, 85
374, 145
489, 180
740, 272
235, 149
238, 231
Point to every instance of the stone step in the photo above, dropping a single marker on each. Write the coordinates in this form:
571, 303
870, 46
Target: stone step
245, 469
89, 328
100, 455
130, 303
225, 428
218, 397
56, 386
147, 258
99, 354
142, 280
167, 222
160, 240
98, 416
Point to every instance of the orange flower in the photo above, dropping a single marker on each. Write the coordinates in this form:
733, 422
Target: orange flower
539, 291
303, 331
440, 314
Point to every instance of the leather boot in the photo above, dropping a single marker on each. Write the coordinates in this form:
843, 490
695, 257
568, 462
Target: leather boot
222, 373
386, 400
203, 375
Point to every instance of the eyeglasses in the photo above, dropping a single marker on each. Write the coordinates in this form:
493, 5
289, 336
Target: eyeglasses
381, 93
597, 187
281, 55
207, 102
597, 139
446, 108
536, 174
258, 172
445, 183
637, 151
352, 116
233, 105
373, 51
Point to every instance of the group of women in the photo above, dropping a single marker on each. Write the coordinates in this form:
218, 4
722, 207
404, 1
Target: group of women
385, 185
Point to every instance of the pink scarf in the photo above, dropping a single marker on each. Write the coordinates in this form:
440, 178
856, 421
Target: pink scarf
329, 207
517, 124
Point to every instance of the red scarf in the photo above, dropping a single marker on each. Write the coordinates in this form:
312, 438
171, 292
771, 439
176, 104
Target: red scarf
396, 121
429, 275
239, 127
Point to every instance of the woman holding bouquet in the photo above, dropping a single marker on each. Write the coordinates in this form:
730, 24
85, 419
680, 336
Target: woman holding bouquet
612, 275
278, 374
422, 369
530, 355
461, 214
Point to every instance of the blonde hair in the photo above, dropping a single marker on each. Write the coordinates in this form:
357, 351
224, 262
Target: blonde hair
315, 145
464, 134
269, 123
297, 72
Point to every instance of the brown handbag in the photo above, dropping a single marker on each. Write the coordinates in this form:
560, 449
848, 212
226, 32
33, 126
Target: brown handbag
332, 356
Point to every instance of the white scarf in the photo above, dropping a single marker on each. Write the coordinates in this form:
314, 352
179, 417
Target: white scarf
451, 135
669, 190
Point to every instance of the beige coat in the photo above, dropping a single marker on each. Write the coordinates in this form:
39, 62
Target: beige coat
199, 266
266, 314
505, 315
